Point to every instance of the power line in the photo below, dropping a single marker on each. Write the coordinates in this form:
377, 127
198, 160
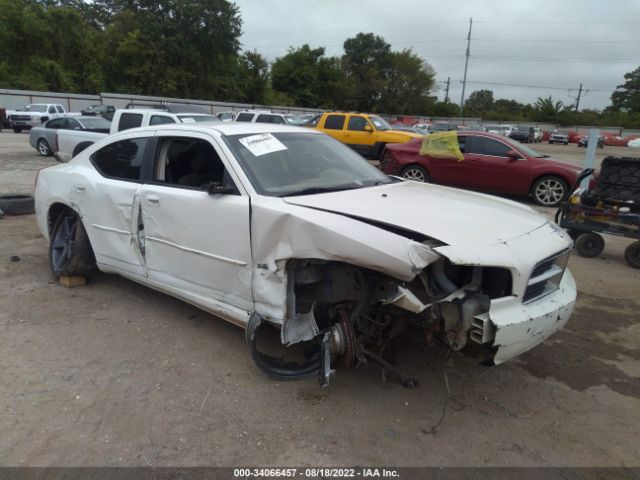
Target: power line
556, 23
568, 89
551, 40
520, 58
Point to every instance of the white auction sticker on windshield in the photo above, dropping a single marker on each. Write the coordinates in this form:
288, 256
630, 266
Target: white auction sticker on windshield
262, 144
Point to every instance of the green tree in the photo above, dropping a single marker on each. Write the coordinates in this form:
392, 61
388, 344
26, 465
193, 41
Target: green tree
253, 77
479, 103
627, 96
407, 83
366, 61
546, 110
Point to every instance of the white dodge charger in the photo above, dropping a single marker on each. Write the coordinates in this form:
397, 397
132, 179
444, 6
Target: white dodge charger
277, 226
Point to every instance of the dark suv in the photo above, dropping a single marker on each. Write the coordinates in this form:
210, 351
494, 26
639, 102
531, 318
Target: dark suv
522, 134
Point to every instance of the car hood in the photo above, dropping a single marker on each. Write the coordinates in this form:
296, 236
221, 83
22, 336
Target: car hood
401, 134
452, 216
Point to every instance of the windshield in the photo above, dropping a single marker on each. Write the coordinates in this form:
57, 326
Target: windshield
292, 120
379, 123
198, 118
96, 122
523, 148
35, 108
297, 163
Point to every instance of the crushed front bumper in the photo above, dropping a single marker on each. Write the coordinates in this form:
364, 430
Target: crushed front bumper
519, 327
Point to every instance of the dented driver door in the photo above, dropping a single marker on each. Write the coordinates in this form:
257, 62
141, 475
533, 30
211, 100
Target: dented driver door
196, 243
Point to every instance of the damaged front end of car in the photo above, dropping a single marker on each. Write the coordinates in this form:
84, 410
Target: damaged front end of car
345, 289
348, 315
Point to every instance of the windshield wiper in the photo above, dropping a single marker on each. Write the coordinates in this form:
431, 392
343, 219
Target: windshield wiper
314, 190
543, 155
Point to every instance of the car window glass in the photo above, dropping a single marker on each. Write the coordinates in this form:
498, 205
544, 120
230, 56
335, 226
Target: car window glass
265, 118
60, 109
277, 119
462, 143
334, 122
160, 120
357, 124
488, 146
189, 162
121, 160
52, 109
57, 123
72, 124
129, 120
244, 117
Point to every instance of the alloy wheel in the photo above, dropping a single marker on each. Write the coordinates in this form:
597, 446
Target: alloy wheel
63, 243
549, 192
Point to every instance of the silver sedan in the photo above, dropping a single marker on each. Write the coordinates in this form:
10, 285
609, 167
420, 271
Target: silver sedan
43, 138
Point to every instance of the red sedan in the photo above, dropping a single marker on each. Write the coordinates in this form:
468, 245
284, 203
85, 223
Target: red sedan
492, 163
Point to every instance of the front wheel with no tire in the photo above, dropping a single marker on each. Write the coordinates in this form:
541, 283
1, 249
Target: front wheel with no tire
632, 254
590, 244
416, 173
70, 252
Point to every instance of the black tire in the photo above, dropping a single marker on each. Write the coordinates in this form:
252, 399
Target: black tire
632, 254
566, 143
70, 251
17, 204
17, 129
43, 148
416, 173
549, 191
380, 151
590, 244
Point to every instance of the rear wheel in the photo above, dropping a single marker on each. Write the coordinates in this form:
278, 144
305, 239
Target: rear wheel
632, 255
590, 244
43, 148
17, 129
549, 191
416, 173
70, 252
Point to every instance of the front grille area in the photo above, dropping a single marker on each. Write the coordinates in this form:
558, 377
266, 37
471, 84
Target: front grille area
546, 276
20, 118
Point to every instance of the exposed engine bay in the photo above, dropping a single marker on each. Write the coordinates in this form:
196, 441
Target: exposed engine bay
346, 316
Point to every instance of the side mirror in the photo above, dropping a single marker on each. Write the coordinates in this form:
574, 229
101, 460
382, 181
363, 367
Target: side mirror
513, 155
215, 188
367, 128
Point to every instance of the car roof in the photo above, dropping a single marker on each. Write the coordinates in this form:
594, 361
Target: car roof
230, 128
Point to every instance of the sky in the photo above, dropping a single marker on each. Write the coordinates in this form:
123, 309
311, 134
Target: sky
551, 45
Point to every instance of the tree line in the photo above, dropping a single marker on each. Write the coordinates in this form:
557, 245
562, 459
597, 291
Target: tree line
191, 49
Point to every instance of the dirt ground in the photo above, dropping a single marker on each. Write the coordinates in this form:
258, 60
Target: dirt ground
117, 374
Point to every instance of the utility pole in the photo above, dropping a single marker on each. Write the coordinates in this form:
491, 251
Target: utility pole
466, 64
446, 93
578, 99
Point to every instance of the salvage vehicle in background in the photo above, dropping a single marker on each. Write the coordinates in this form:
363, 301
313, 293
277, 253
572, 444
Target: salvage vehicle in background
584, 141
44, 137
267, 116
71, 142
522, 134
105, 111
559, 136
492, 163
319, 245
366, 134
34, 114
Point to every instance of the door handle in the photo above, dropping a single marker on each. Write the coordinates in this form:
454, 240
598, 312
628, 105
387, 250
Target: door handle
80, 189
153, 200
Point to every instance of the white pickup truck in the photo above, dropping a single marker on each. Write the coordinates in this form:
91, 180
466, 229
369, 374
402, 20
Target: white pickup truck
71, 142
34, 115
